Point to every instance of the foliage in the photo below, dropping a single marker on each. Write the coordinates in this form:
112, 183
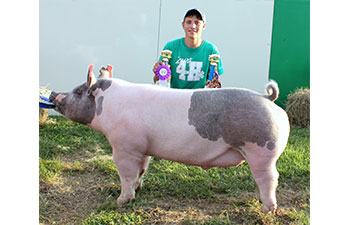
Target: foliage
79, 184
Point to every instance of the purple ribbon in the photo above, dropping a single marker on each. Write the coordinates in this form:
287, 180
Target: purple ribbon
163, 72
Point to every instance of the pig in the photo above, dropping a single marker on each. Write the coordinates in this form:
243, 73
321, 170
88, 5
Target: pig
202, 127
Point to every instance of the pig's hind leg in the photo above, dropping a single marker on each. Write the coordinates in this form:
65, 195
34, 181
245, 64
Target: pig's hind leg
266, 182
130, 170
262, 162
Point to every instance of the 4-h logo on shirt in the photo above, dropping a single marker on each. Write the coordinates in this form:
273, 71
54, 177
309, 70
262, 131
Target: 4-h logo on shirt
195, 72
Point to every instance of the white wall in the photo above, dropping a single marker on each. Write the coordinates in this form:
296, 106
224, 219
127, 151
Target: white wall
76, 33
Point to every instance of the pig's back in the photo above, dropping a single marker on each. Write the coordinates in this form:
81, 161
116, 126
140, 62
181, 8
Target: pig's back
181, 116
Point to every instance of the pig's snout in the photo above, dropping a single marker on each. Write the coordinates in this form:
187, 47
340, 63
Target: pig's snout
57, 100
56, 97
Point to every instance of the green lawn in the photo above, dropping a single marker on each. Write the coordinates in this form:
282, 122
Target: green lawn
79, 184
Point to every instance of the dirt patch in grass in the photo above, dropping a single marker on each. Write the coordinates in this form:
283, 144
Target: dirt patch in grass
74, 195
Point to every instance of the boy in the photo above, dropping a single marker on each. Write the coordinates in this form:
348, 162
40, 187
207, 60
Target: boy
189, 62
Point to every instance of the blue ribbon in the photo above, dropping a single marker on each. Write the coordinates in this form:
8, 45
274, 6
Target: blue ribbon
211, 72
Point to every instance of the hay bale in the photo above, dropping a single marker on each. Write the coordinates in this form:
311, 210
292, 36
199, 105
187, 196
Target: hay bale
298, 108
42, 116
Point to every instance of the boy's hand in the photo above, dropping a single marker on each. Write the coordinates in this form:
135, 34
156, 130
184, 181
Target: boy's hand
156, 66
155, 78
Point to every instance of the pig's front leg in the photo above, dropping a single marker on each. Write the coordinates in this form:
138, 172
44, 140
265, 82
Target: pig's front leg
130, 167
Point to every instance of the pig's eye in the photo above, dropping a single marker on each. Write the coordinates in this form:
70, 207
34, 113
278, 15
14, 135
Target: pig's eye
78, 92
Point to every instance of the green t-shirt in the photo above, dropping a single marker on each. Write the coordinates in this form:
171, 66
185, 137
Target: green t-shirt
190, 66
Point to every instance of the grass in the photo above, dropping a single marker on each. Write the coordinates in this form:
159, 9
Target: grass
79, 184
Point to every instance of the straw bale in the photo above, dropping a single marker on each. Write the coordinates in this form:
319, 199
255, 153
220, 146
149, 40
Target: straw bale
298, 108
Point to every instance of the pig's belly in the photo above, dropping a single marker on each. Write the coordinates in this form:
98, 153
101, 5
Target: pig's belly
172, 138
197, 151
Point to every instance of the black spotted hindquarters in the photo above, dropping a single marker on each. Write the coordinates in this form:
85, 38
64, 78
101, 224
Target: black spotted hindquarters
272, 90
237, 115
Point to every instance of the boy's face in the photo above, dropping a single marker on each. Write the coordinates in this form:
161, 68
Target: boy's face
193, 27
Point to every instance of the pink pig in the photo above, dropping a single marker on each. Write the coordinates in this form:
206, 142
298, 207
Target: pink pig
203, 127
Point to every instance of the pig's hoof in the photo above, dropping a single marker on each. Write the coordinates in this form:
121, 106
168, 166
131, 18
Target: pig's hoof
122, 201
271, 209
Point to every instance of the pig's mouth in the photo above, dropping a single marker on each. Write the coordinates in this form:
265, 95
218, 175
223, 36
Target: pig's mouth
52, 96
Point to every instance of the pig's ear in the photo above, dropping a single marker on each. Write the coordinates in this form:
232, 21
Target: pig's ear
110, 68
91, 79
106, 73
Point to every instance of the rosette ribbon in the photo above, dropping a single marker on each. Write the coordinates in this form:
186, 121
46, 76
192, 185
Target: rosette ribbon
163, 73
